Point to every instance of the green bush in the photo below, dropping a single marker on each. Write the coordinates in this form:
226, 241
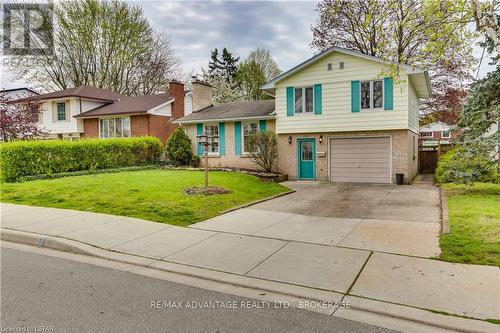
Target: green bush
456, 167
28, 158
178, 149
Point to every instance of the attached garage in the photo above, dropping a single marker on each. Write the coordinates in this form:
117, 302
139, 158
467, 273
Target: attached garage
360, 160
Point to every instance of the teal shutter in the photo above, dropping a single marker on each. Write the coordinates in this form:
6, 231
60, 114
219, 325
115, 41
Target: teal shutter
262, 125
355, 95
222, 139
388, 93
289, 101
237, 138
199, 131
318, 99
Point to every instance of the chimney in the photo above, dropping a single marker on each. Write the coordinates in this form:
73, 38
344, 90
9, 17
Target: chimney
176, 90
202, 94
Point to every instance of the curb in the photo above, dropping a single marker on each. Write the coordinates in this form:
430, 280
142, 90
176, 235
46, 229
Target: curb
445, 227
369, 311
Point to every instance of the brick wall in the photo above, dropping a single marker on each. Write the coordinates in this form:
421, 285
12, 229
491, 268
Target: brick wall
90, 128
400, 149
139, 125
229, 160
161, 127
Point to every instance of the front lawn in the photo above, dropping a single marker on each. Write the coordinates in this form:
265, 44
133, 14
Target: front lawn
474, 217
155, 195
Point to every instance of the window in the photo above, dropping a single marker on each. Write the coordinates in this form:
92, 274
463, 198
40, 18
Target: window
114, 127
372, 94
445, 134
426, 134
304, 100
213, 143
307, 151
61, 111
248, 129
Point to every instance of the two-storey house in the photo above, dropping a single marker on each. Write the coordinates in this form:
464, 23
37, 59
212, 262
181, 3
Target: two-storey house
336, 116
89, 112
437, 135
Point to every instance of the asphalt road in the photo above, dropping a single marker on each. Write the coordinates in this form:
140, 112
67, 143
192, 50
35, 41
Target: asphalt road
66, 296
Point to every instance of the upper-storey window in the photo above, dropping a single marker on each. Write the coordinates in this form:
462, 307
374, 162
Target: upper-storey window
61, 111
426, 134
304, 100
445, 134
372, 94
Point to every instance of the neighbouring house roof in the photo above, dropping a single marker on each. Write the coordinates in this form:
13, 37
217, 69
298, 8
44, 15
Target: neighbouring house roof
86, 92
128, 105
421, 75
19, 89
232, 111
437, 126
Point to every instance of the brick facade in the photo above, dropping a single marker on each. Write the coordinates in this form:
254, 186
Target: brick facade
404, 157
90, 128
230, 159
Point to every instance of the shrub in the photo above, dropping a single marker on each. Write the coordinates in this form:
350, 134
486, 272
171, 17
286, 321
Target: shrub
178, 149
263, 147
457, 167
28, 158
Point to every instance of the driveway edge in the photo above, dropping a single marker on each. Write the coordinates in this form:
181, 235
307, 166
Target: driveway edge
257, 201
445, 227
372, 312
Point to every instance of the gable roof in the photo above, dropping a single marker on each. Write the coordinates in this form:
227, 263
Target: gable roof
232, 111
436, 127
86, 92
128, 105
410, 70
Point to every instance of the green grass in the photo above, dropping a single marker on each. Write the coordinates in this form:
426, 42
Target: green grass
474, 217
155, 195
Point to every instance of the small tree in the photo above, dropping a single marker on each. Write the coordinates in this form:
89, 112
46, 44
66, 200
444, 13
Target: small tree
19, 120
263, 147
178, 149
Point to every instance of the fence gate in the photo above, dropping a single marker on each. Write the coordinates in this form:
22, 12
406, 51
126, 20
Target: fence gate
427, 161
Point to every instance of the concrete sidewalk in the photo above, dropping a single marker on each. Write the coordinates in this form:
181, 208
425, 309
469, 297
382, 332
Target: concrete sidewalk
322, 269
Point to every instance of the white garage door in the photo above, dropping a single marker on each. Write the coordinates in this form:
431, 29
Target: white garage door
361, 160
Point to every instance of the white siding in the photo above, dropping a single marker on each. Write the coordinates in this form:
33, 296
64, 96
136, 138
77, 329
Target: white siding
165, 110
188, 104
413, 114
71, 125
337, 115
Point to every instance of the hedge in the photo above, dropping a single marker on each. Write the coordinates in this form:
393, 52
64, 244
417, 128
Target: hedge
29, 158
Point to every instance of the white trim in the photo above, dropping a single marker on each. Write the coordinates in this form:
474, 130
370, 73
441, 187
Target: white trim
330, 137
446, 137
180, 121
213, 154
243, 123
152, 110
303, 88
371, 108
114, 137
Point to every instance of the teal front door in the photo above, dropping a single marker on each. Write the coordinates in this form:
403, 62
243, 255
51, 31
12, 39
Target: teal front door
307, 158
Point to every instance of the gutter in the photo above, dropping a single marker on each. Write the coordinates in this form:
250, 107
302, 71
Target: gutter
180, 121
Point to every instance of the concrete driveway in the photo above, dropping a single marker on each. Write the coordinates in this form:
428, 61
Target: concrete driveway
382, 218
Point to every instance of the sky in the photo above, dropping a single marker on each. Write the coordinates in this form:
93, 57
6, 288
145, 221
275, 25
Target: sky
197, 27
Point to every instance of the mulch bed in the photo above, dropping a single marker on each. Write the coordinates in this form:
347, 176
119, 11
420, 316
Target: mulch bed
211, 190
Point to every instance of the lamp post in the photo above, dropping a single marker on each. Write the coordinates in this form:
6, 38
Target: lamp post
204, 141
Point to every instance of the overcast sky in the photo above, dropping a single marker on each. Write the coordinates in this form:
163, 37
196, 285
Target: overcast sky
197, 27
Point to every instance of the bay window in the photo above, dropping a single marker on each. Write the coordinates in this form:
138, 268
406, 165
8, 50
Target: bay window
118, 127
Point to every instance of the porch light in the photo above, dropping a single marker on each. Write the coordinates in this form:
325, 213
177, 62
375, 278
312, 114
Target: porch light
290, 140
320, 138
202, 139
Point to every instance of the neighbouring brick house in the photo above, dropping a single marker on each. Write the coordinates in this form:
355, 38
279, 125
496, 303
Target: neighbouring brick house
336, 119
437, 135
89, 112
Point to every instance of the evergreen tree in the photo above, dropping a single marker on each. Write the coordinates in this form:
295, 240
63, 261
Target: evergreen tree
214, 65
229, 63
